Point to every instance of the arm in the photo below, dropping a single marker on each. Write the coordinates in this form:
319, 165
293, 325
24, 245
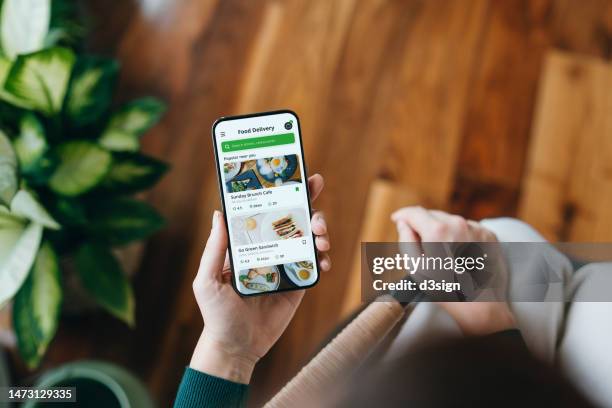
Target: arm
199, 389
238, 331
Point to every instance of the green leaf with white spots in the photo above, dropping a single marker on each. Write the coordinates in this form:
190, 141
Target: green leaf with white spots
82, 165
39, 80
128, 124
120, 141
24, 25
26, 206
5, 67
8, 170
91, 89
36, 309
121, 221
31, 144
132, 172
18, 246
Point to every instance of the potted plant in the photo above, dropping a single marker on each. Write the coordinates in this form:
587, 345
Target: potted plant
97, 384
69, 164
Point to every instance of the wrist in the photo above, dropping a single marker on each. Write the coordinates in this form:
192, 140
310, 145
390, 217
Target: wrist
222, 360
481, 318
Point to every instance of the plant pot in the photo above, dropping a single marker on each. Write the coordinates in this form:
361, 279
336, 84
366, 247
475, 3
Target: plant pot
98, 384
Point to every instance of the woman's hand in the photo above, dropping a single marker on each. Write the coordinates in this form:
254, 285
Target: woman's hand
238, 331
416, 224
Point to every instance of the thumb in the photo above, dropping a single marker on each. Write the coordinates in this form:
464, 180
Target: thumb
213, 258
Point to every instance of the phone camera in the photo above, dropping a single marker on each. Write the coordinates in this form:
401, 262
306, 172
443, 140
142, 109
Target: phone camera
289, 125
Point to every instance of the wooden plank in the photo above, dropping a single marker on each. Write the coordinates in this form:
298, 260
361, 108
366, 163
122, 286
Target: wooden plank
590, 184
583, 27
542, 201
502, 95
586, 27
428, 106
174, 29
502, 101
476, 199
603, 228
568, 119
383, 199
107, 24
293, 59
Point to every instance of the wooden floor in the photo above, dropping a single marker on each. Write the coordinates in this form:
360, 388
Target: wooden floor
436, 95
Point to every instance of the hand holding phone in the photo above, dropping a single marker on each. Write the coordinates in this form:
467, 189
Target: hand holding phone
265, 197
240, 330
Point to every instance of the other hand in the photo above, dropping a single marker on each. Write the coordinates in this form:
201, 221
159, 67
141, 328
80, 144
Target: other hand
417, 224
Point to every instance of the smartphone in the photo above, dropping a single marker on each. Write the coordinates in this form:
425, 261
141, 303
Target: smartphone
266, 202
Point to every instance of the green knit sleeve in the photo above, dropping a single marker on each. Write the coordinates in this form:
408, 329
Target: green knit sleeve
199, 389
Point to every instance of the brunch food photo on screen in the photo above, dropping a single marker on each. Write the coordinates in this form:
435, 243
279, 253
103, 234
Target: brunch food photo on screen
270, 278
263, 279
269, 226
262, 173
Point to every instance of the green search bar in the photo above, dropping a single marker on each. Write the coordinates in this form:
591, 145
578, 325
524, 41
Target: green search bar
257, 142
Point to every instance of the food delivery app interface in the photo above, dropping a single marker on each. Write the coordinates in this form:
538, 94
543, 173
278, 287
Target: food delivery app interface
266, 202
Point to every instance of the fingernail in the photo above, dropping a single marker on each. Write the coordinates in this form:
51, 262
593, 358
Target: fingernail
321, 217
321, 220
401, 226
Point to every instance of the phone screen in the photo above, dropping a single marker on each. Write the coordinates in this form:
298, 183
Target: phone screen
264, 192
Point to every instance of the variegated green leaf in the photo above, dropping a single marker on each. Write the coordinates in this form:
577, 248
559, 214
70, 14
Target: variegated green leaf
5, 67
39, 80
36, 308
132, 172
121, 221
8, 170
18, 247
82, 166
103, 278
31, 144
130, 123
24, 25
26, 206
91, 89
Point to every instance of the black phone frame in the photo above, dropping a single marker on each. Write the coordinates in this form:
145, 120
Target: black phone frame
221, 185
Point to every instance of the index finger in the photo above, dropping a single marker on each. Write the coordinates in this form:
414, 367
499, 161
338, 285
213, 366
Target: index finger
417, 218
213, 258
